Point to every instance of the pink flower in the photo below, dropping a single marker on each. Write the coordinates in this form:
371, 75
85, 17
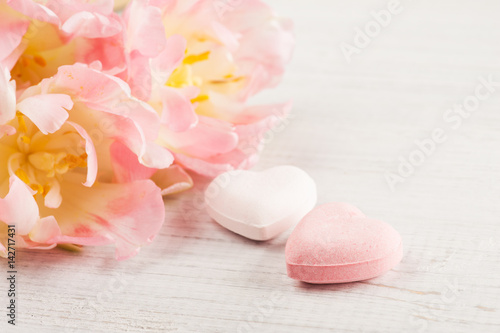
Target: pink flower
197, 64
58, 183
37, 37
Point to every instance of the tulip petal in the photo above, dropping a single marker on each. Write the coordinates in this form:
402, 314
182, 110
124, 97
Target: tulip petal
178, 112
254, 121
212, 167
92, 25
170, 58
146, 33
12, 30
110, 52
47, 112
129, 215
91, 154
34, 10
65, 9
53, 197
250, 126
208, 138
19, 208
6, 130
131, 121
126, 167
172, 180
140, 80
7, 97
45, 231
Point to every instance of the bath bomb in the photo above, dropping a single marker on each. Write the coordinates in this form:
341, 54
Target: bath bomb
337, 243
260, 205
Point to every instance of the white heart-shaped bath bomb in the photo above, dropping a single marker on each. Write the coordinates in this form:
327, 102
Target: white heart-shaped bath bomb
260, 205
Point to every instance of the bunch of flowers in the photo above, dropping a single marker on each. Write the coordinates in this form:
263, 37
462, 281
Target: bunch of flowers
101, 114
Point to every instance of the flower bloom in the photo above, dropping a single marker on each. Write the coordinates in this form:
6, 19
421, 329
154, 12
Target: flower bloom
58, 182
37, 37
94, 108
198, 64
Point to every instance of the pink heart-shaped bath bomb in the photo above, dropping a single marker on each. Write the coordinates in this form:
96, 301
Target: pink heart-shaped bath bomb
337, 243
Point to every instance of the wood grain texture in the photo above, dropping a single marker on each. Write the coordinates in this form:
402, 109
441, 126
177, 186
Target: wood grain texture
351, 123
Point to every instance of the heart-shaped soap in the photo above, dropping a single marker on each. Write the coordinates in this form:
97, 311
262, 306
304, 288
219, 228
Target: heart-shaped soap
337, 243
260, 205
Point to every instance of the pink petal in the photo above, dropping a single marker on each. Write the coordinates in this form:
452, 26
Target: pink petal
7, 97
92, 25
126, 167
212, 167
264, 46
131, 135
12, 59
254, 121
170, 58
226, 36
208, 138
65, 9
155, 156
130, 215
34, 10
132, 121
163, 3
267, 49
251, 124
258, 80
178, 112
45, 231
172, 180
145, 72
6, 130
12, 30
103, 93
91, 154
19, 207
145, 29
110, 52
53, 197
47, 112
24, 242
139, 76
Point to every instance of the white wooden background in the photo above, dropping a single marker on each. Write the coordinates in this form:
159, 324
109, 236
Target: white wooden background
351, 124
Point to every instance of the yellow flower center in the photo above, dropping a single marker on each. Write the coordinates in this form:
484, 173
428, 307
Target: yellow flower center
41, 160
183, 76
44, 52
186, 75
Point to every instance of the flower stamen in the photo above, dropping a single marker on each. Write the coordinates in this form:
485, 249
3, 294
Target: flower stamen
21, 174
194, 58
22, 123
40, 61
200, 98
